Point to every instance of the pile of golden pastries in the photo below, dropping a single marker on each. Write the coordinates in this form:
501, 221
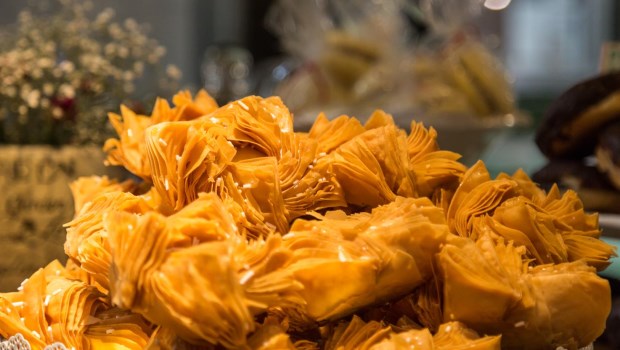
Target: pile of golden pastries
239, 233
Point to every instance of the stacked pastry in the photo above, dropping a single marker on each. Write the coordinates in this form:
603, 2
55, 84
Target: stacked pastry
244, 234
580, 134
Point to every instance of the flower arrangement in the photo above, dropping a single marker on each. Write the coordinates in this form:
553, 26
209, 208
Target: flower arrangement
61, 70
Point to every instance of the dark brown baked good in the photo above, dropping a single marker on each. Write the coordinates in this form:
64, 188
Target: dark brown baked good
593, 187
570, 126
608, 153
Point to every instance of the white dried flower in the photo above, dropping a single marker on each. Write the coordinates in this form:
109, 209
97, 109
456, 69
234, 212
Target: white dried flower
68, 57
160, 51
49, 47
96, 87
33, 98
37, 73
123, 52
45, 62
22, 110
173, 72
109, 49
129, 87
48, 89
24, 18
131, 24
66, 90
115, 31
10, 91
8, 80
139, 40
128, 75
138, 67
57, 112
88, 5
152, 58
104, 16
24, 91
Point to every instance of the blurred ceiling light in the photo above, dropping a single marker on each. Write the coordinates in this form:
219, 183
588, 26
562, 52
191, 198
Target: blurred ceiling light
496, 5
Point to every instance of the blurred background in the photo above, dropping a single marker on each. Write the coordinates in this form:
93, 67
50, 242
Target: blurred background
234, 48
546, 45
482, 72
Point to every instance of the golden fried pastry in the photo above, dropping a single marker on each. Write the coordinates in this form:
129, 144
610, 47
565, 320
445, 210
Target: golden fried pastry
186, 158
270, 335
86, 241
490, 288
186, 107
244, 234
51, 307
307, 183
202, 234
356, 168
128, 150
432, 168
246, 151
356, 334
373, 257
330, 134
552, 227
456, 336
375, 249
86, 189
374, 335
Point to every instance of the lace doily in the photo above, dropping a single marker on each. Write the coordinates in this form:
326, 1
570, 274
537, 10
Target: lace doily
18, 342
